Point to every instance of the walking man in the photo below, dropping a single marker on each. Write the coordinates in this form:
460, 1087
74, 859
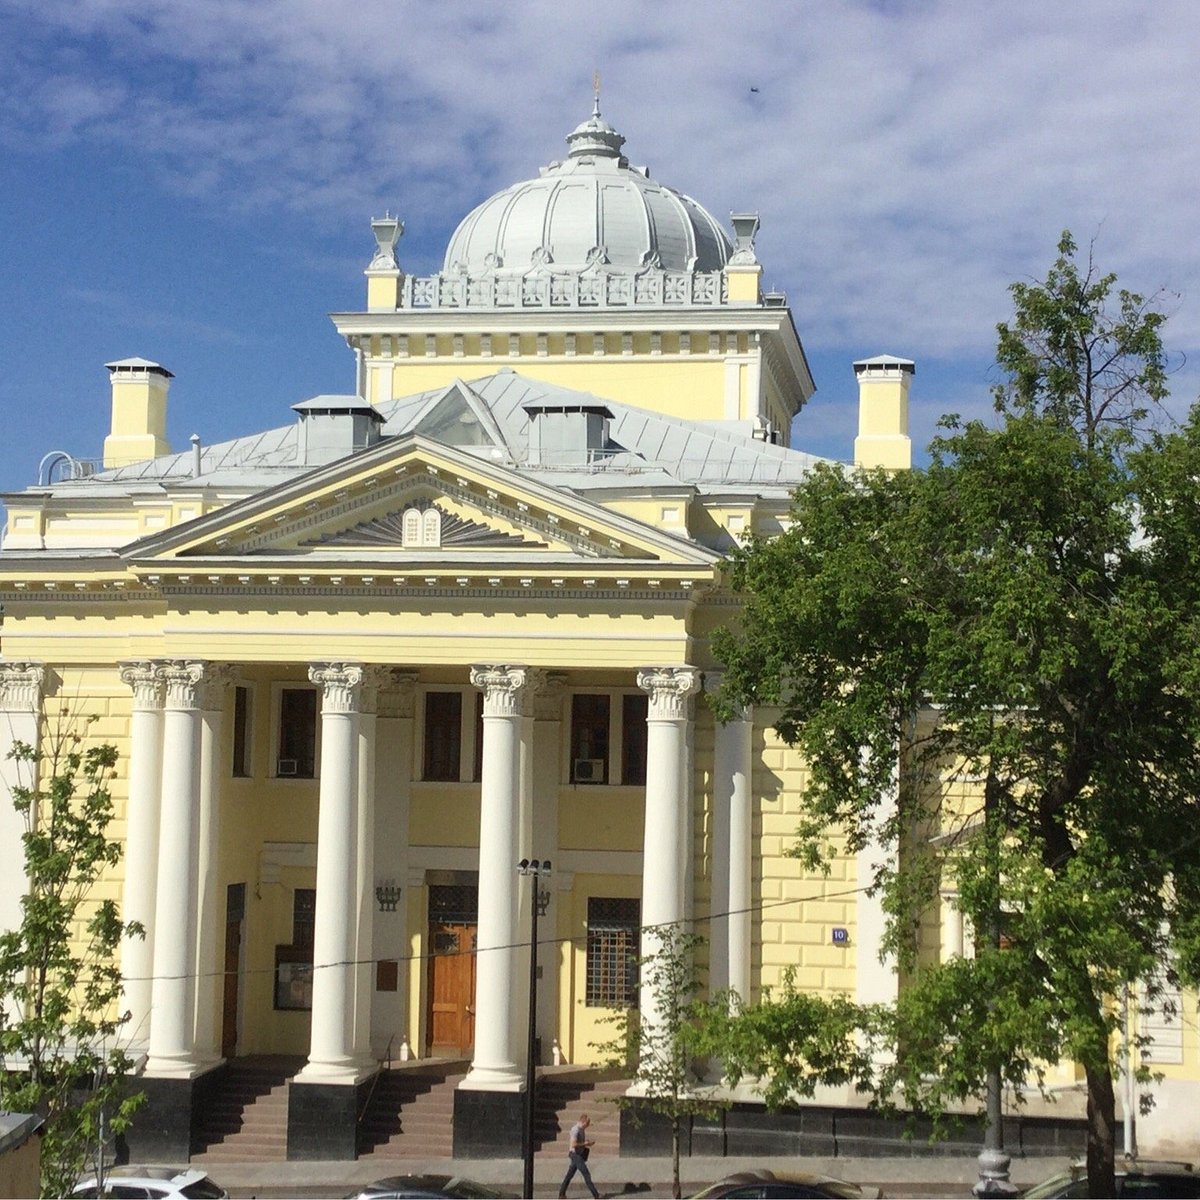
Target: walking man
577, 1156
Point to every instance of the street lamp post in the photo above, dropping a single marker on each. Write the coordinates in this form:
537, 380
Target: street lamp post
535, 869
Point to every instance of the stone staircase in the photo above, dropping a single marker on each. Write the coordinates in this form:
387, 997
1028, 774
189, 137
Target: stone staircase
246, 1119
562, 1094
411, 1112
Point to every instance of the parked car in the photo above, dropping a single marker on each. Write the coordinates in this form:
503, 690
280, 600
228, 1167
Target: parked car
1137, 1177
760, 1185
151, 1183
402, 1187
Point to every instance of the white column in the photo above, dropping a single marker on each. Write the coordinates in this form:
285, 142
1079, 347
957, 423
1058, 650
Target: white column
331, 1057
141, 843
667, 736
730, 940
878, 980
172, 1030
210, 896
494, 1066
393, 759
364, 950
547, 771
20, 705
519, 1014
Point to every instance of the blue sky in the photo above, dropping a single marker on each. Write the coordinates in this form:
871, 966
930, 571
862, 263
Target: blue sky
194, 182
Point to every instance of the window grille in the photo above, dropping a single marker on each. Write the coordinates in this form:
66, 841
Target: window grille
453, 904
613, 946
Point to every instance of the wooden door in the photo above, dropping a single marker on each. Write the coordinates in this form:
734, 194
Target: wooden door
451, 1022
235, 905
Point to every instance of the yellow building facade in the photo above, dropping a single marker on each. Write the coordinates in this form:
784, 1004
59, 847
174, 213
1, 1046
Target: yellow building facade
362, 664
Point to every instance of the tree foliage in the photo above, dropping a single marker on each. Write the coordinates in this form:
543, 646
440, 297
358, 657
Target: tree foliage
661, 1052
1012, 634
59, 979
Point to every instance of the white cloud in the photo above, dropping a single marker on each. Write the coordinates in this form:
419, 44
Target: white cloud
909, 159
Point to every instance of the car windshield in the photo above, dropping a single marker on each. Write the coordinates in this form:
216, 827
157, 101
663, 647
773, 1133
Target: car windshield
1063, 1184
469, 1190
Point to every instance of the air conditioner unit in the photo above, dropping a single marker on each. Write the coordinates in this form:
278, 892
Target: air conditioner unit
285, 766
589, 770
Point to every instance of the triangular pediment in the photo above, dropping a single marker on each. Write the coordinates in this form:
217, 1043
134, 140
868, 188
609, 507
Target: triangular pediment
408, 503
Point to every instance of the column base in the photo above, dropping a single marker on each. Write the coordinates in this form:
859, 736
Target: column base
493, 1079
488, 1124
162, 1128
179, 1068
349, 1073
322, 1119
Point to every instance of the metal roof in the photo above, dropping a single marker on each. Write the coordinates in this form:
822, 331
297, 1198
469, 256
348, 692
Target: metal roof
646, 449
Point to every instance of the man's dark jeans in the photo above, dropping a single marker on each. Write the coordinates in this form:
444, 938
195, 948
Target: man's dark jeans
578, 1164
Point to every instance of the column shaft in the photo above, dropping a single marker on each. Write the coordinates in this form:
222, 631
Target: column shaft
732, 855
494, 1066
666, 821
331, 1056
172, 1030
210, 898
141, 842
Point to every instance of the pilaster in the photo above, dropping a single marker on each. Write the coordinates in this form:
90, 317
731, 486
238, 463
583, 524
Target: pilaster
210, 896
20, 706
730, 938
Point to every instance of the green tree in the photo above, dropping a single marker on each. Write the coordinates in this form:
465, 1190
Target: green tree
661, 1051
59, 979
1012, 633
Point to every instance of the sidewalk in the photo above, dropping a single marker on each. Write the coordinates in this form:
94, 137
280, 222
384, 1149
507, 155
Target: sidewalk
650, 1177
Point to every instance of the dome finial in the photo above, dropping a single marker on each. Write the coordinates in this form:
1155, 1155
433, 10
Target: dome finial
595, 137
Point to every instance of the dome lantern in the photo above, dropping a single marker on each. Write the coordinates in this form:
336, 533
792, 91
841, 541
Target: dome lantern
596, 136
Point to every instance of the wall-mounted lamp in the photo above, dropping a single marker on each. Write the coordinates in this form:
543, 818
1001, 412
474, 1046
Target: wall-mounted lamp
388, 895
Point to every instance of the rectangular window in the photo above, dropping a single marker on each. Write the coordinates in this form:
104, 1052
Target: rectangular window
443, 735
589, 738
297, 733
613, 944
294, 963
241, 732
634, 708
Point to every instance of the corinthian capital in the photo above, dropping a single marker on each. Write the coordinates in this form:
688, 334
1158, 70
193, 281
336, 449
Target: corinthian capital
669, 689
145, 677
182, 679
21, 686
506, 689
341, 685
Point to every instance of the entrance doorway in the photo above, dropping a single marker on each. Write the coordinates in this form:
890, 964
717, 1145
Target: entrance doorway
235, 914
453, 919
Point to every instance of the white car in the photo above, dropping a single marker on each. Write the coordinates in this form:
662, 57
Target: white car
149, 1183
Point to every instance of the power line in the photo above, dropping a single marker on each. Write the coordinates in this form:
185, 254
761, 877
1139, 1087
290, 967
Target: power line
570, 939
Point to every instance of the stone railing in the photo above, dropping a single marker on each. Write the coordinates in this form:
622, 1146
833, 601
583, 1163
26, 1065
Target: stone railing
647, 288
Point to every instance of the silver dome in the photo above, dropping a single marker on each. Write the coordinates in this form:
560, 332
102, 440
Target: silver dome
591, 209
